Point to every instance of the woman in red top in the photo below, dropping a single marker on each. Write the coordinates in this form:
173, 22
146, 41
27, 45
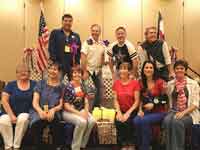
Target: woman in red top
152, 106
126, 101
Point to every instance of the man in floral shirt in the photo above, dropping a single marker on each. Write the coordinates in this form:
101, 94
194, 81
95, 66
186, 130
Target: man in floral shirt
92, 58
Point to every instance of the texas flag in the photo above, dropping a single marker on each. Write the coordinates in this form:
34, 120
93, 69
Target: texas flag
161, 33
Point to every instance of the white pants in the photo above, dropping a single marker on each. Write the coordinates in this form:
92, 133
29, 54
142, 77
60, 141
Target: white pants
82, 129
6, 130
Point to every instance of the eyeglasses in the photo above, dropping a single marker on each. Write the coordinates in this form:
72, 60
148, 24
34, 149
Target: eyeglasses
22, 71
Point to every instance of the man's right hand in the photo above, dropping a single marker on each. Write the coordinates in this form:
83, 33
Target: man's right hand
113, 76
85, 75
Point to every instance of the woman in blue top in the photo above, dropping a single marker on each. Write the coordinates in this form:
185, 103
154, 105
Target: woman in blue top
17, 100
47, 103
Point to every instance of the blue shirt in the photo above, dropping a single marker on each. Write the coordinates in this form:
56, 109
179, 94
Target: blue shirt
57, 42
48, 95
20, 100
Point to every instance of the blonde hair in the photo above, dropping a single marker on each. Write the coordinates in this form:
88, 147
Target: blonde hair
22, 65
95, 25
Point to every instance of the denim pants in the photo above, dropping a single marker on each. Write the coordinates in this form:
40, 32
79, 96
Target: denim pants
196, 137
175, 130
144, 128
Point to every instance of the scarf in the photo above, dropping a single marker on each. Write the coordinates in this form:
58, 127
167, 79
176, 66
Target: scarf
181, 97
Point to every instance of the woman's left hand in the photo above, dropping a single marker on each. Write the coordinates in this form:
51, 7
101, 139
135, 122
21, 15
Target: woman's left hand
149, 106
51, 115
125, 117
180, 115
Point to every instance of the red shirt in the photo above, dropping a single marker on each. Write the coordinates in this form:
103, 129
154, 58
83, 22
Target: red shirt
157, 88
156, 91
125, 93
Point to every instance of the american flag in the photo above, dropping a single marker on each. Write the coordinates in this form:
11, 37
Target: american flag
42, 44
161, 34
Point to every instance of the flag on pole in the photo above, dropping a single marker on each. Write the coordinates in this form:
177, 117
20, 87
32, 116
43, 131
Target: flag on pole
41, 51
161, 34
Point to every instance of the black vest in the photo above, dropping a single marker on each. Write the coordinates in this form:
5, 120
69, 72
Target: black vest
154, 50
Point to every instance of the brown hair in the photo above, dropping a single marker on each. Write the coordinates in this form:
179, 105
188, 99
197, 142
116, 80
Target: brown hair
181, 62
76, 68
120, 28
125, 64
67, 16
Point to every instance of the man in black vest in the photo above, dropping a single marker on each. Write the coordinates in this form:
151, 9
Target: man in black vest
158, 52
65, 45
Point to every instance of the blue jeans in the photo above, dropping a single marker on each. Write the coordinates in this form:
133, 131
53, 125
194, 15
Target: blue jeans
175, 130
144, 130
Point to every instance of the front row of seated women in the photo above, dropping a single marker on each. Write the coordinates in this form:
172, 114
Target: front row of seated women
139, 105
142, 104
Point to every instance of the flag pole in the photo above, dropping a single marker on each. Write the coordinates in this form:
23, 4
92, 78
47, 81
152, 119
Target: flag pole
41, 6
42, 11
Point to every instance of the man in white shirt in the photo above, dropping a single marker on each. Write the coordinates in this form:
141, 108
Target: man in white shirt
92, 59
158, 52
122, 51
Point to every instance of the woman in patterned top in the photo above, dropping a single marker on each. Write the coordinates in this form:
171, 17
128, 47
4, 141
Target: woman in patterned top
76, 110
183, 95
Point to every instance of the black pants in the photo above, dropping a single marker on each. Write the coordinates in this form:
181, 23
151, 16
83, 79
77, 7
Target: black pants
97, 82
125, 131
55, 128
163, 73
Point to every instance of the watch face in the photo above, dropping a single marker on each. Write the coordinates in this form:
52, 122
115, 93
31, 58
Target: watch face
156, 101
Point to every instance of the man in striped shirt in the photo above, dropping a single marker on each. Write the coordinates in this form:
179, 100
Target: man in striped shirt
122, 51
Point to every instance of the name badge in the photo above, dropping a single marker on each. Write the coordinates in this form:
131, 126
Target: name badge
78, 89
46, 108
67, 49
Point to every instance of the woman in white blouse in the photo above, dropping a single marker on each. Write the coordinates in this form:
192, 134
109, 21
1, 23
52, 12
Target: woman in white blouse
184, 99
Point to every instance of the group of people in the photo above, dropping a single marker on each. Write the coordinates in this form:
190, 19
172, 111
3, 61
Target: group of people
142, 98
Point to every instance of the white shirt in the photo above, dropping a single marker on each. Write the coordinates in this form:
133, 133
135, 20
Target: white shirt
193, 99
94, 53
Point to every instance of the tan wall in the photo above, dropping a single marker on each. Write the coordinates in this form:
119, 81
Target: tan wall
126, 13
11, 37
192, 33
172, 14
136, 15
